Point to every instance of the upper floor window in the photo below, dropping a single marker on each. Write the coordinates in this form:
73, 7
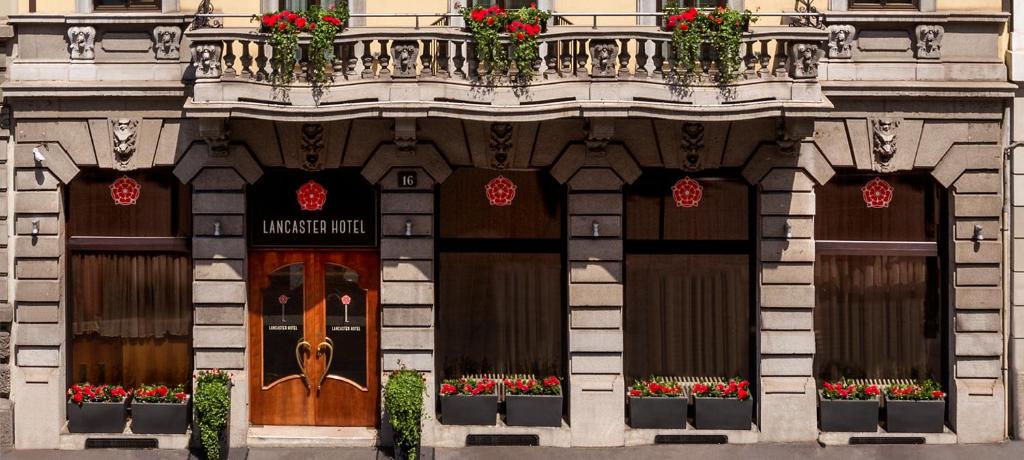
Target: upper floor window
888, 4
662, 4
125, 4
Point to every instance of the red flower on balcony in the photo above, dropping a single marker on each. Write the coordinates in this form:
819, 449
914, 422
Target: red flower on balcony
687, 193
500, 191
125, 191
877, 193
311, 196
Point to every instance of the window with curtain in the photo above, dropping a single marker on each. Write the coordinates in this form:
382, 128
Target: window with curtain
662, 4
688, 286
878, 275
127, 4
130, 279
500, 276
880, 4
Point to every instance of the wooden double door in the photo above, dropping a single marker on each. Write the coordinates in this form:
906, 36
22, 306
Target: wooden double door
313, 338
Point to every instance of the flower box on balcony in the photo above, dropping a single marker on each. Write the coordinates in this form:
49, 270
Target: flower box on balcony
97, 409
657, 404
721, 406
529, 402
917, 408
845, 407
469, 402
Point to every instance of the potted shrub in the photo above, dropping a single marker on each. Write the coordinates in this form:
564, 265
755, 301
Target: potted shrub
657, 403
212, 412
97, 408
915, 408
529, 402
721, 406
847, 407
157, 409
469, 402
403, 401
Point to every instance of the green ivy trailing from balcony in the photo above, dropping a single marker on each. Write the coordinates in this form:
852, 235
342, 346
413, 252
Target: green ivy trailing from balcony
521, 26
722, 28
284, 27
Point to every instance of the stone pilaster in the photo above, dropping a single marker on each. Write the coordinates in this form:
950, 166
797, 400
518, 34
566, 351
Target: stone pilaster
219, 257
407, 282
6, 311
977, 300
596, 385
787, 387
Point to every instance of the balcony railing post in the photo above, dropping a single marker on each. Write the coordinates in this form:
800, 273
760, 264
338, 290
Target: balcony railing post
659, 60
641, 58
261, 60
367, 60
624, 58
246, 59
229, 58
427, 58
385, 60
459, 60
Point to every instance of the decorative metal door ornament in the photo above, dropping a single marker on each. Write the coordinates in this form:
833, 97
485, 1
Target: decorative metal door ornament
283, 300
125, 191
500, 191
346, 300
687, 193
877, 193
311, 196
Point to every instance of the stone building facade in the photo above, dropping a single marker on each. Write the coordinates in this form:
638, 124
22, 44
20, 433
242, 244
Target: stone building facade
843, 94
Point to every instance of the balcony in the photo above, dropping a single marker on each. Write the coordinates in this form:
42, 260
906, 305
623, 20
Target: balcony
583, 71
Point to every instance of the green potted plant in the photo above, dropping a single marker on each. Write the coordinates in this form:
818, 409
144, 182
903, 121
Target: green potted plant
721, 29
157, 409
916, 408
468, 401
723, 406
529, 402
403, 402
847, 407
322, 24
494, 28
657, 403
97, 408
212, 412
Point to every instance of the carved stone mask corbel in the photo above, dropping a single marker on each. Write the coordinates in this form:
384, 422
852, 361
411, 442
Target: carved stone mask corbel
166, 42
312, 146
929, 41
840, 41
599, 134
500, 144
883, 139
82, 42
691, 145
405, 134
125, 134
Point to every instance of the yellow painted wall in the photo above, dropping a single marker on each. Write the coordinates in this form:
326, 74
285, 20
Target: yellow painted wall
48, 6
968, 5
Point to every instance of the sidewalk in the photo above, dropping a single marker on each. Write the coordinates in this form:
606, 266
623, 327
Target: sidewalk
1007, 451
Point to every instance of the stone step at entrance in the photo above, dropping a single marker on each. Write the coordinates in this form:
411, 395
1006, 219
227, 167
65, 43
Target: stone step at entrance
311, 436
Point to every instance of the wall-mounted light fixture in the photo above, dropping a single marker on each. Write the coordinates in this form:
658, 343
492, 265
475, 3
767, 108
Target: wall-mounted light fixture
37, 154
216, 228
977, 237
35, 226
408, 227
597, 229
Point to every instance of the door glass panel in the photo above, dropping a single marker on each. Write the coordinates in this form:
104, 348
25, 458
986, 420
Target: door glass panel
346, 324
283, 305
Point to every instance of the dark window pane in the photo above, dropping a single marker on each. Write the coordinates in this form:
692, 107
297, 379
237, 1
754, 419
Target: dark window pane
163, 207
131, 318
500, 313
142, 4
662, 4
877, 317
346, 324
687, 315
843, 215
721, 215
283, 325
883, 4
535, 213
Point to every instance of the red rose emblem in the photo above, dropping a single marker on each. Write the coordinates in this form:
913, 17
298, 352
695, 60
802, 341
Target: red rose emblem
687, 193
345, 299
311, 196
125, 191
877, 193
282, 299
500, 191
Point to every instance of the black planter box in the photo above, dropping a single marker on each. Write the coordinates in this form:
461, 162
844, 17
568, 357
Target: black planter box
97, 417
657, 412
533, 410
915, 416
723, 413
196, 443
159, 418
848, 415
469, 410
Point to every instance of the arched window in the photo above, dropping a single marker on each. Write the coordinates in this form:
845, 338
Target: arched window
130, 280
688, 295
878, 278
501, 305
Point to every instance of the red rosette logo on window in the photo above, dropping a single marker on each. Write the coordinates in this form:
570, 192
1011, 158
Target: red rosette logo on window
500, 191
125, 191
311, 196
687, 193
877, 193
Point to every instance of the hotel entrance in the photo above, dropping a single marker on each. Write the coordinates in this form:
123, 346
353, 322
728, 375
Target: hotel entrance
313, 300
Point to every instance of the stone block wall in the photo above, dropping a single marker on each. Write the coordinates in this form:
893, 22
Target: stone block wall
6, 308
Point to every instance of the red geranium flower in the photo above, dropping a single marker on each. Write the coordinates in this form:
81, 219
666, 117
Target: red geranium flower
300, 22
690, 15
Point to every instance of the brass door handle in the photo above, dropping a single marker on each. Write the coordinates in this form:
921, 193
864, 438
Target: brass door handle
328, 345
299, 347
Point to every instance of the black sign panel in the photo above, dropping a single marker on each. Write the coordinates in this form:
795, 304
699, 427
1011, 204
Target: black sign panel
407, 179
336, 208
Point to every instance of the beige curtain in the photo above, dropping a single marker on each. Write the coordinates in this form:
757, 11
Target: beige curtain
687, 315
877, 317
500, 313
